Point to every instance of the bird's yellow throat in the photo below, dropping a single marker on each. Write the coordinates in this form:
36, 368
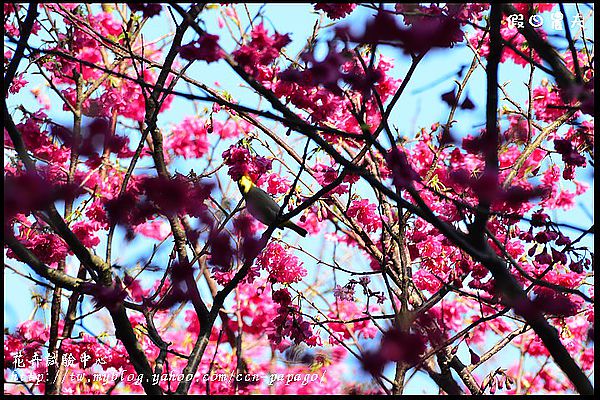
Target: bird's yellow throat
245, 184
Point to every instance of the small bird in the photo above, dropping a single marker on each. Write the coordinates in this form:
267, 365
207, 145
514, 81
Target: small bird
262, 207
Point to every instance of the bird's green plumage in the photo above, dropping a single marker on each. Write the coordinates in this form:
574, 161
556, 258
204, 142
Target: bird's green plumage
262, 206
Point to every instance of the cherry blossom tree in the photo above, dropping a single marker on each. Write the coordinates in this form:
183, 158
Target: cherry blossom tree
449, 253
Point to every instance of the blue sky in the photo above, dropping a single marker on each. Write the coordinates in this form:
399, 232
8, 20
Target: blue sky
419, 107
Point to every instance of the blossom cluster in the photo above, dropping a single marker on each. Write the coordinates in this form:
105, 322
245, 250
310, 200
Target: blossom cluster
95, 169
